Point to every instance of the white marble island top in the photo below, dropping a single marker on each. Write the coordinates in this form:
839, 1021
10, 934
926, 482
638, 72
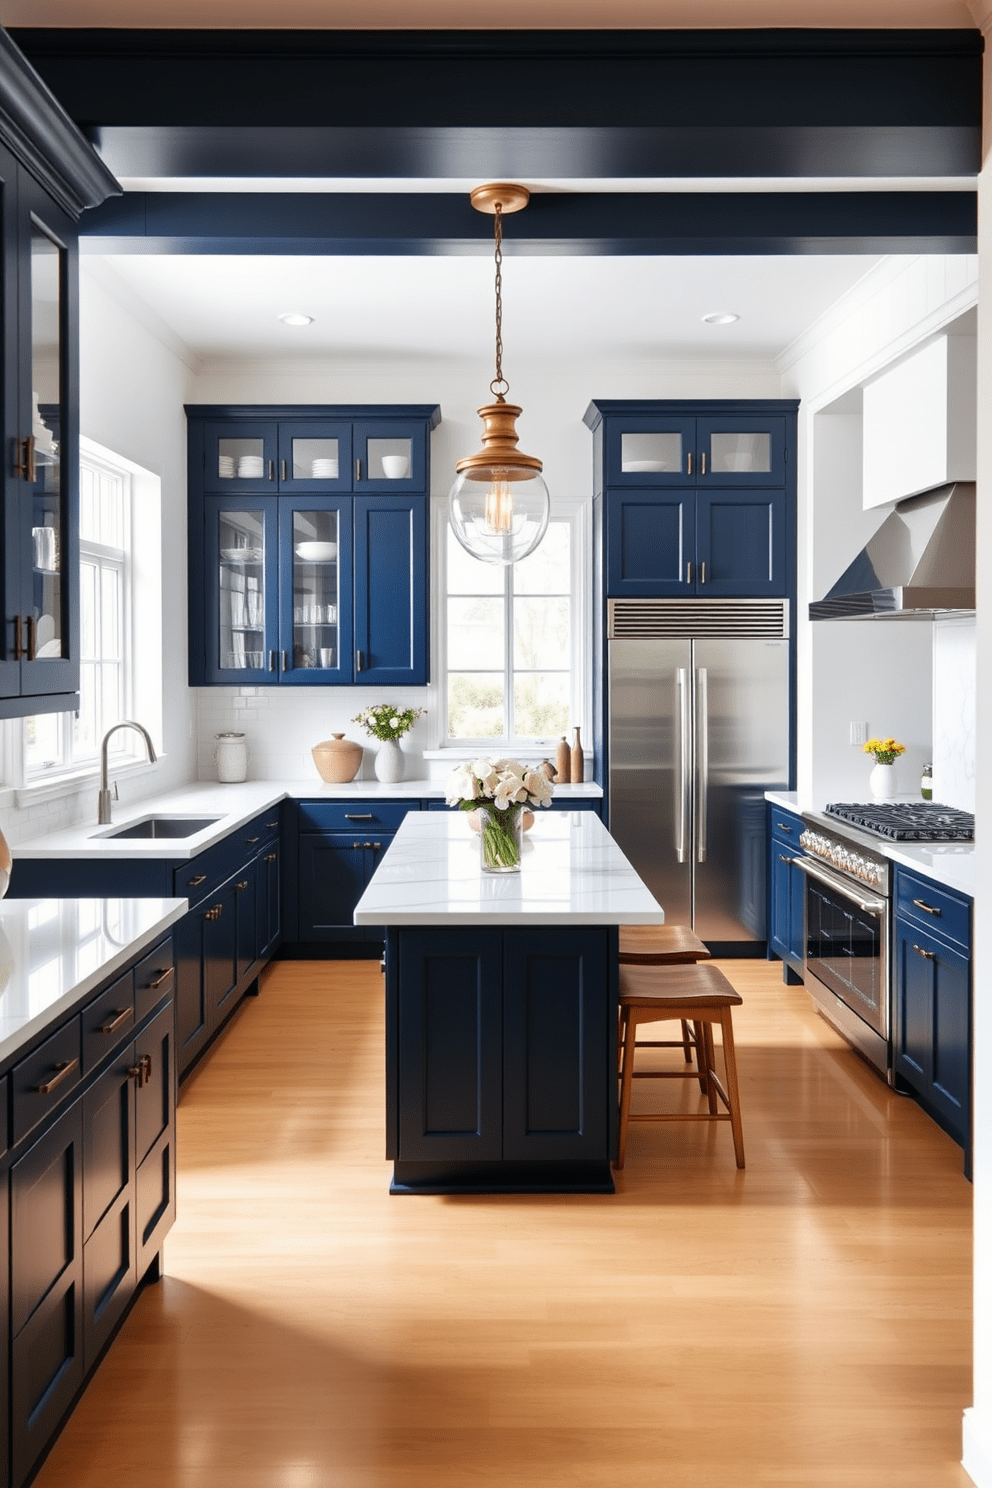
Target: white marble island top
54, 951
572, 873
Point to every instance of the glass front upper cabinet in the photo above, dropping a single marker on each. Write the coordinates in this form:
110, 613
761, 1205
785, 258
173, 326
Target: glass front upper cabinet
46, 618
240, 457
241, 578
315, 456
741, 451
389, 457
316, 590
673, 451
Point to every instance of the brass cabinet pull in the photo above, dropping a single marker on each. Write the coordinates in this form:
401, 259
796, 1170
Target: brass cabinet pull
243, 884
141, 1072
358, 661
282, 469
62, 1072
783, 859
272, 470
689, 466
271, 824
271, 857
783, 828
688, 573
928, 955
358, 470
702, 463
930, 909
272, 661
163, 976
18, 638
358, 816
702, 573
250, 841
32, 638
194, 883
215, 912
285, 661
121, 1015
356, 844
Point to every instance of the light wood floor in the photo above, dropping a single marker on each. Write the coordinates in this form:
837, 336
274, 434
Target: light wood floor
805, 1322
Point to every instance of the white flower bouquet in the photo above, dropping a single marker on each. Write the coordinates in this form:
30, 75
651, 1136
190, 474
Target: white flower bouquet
386, 721
499, 790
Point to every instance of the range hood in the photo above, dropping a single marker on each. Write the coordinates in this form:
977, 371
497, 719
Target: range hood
920, 563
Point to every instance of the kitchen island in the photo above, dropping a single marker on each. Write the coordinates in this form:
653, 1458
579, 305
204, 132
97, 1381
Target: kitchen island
501, 998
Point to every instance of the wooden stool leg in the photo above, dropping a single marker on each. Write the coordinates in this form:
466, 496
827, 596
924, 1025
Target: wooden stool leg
626, 1082
704, 1076
710, 1064
733, 1094
686, 1042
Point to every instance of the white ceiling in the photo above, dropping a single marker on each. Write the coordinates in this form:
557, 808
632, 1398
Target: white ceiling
637, 309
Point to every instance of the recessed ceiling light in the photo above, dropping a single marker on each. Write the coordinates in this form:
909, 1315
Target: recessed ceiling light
296, 318
720, 317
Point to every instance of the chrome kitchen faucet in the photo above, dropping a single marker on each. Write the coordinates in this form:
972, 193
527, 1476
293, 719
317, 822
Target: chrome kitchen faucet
103, 809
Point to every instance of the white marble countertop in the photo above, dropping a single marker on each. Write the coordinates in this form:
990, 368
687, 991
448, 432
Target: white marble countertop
949, 863
571, 873
232, 806
54, 951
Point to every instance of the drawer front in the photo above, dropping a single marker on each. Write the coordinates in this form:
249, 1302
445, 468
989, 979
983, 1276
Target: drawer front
249, 839
785, 827
154, 978
43, 1080
108, 1021
198, 879
934, 908
354, 816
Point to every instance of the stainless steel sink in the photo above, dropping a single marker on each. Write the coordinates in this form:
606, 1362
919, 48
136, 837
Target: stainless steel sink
162, 826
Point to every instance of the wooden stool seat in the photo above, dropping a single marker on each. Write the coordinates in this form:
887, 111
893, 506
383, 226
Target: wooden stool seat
696, 993
651, 945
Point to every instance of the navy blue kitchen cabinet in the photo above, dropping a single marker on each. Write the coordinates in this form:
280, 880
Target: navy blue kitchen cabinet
233, 926
499, 1049
39, 401
698, 499
932, 1001
90, 1173
339, 845
787, 894
308, 546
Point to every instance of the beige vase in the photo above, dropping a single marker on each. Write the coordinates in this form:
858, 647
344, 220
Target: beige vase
337, 759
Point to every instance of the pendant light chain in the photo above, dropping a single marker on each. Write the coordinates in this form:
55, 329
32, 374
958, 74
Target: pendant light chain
499, 387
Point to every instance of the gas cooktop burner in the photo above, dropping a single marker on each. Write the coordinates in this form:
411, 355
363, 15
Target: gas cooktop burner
908, 821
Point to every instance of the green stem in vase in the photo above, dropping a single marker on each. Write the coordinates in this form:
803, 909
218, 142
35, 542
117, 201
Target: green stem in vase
499, 841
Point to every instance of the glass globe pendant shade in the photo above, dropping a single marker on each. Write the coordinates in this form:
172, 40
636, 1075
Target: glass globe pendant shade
499, 505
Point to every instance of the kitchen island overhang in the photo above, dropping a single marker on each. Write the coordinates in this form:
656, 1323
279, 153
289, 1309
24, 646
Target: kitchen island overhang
501, 1005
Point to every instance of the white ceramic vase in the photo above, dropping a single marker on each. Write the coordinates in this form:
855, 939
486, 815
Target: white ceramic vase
882, 782
390, 766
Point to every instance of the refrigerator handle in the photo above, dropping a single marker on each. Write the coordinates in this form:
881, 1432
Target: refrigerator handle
682, 775
702, 762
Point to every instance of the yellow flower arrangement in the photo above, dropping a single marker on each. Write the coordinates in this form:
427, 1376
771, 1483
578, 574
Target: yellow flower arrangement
886, 751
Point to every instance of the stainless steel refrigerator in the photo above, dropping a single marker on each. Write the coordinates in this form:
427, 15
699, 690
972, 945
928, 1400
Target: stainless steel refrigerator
698, 731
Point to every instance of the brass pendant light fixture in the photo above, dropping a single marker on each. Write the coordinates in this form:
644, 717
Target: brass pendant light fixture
499, 505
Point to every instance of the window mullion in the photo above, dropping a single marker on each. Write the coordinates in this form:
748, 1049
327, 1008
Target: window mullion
510, 722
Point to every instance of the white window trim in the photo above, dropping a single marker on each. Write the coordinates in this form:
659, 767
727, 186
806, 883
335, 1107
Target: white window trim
578, 510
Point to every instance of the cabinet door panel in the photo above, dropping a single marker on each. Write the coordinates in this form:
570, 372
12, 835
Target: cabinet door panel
315, 456
315, 591
650, 450
780, 924
268, 902
650, 541
333, 876
47, 1215
247, 933
558, 1036
234, 628
108, 1139
193, 1026
740, 537
450, 1045
154, 1098
240, 457
380, 449
952, 1039
220, 951
391, 590
109, 1273
47, 1359
155, 1198
913, 1051
741, 451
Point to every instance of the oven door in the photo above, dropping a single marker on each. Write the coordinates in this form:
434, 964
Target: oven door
847, 958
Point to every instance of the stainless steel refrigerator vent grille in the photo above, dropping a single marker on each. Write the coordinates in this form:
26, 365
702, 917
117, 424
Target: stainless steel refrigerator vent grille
730, 618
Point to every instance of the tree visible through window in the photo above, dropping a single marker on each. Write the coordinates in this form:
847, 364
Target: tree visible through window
509, 642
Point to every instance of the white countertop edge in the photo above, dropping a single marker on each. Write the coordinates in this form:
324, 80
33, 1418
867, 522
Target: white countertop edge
234, 806
170, 912
521, 919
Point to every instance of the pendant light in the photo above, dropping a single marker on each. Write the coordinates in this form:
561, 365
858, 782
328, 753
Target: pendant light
499, 504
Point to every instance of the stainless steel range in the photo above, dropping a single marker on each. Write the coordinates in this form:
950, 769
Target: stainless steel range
848, 910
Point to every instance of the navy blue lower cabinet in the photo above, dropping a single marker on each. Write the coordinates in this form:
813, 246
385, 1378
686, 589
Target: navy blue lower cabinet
501, 1059
108, 1202
932, 1033
787, 892
334, 871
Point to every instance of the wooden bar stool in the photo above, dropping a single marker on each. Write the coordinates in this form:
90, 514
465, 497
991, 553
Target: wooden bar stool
696, 994
663, 945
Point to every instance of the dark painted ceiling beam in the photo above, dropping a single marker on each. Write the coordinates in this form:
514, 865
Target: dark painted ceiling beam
554, 223
772, 103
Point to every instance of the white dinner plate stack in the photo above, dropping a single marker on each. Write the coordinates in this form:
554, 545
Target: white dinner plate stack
251, 467
225, 467
325, 469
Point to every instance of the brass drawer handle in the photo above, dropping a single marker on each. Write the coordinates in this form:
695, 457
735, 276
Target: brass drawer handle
194, 883
783, 859
243, 884
62, 1072
271, 857
141, 1072
215, 912
270, 825
359, 816
927, 955
783, 828
250, 841
930, 909
121, 1015
163, 976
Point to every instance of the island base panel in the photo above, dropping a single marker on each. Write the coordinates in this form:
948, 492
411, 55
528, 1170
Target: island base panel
501, 1177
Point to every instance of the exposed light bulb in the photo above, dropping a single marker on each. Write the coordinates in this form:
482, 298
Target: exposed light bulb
499, 508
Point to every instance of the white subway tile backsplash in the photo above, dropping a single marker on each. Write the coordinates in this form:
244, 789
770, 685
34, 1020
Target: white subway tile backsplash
954, 682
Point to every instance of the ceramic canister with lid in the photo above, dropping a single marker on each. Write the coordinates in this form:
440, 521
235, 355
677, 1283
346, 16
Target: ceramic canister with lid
231, 756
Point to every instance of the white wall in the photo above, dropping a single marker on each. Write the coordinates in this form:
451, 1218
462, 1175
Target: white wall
133, 384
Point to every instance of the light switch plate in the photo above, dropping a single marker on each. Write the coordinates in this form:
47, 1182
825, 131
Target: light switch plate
859, 733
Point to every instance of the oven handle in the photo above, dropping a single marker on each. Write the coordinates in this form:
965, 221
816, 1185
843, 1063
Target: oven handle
842, 885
